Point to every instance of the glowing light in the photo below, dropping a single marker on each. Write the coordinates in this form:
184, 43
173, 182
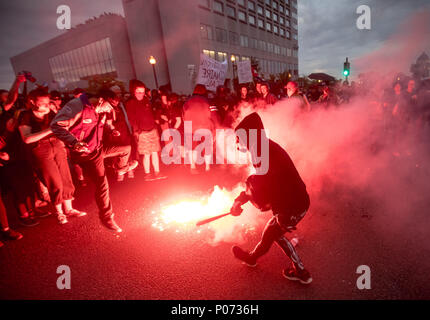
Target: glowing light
186, 213
152, 60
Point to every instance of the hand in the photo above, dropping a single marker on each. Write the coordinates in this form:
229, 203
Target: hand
11, 125
81, 147
4, 156
21, 78
116, 133
236, 210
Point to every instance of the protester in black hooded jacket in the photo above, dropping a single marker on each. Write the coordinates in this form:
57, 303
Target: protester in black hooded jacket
276, 186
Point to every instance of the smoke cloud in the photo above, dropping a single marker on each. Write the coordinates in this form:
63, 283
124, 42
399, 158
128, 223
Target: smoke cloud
358, 153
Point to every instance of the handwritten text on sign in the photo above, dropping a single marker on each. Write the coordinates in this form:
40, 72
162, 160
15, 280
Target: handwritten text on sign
211, 73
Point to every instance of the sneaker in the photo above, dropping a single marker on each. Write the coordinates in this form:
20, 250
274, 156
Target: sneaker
28, 221
294, 274
42, 212
11, 235
159, 176
111, 224
130, 174
131, 166
244, 256
75, 213
62, 219
149, 177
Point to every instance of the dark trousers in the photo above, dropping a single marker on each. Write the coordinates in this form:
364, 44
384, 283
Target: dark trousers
52, 168
3, 216
94, 167
121, 153
274, 232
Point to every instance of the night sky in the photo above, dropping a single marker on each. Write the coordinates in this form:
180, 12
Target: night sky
327, 29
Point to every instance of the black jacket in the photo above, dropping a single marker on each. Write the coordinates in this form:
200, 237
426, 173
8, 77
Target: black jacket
281, 188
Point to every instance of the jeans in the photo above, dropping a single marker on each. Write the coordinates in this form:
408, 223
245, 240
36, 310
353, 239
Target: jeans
52, 168
93, 165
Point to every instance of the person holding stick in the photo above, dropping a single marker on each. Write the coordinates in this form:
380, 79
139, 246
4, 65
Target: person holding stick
281, 190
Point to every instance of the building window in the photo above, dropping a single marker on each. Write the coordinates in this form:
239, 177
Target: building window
245, 58
260, 10
234, 38
295, 37
209, 53
221, 35
287, 12
244, 41
78, 64
274, 5
270, 47
281, 8
268, 14
281, 20
204, 3
218, 7
287, 22
268, 2
294, 15
261, 23
295, 27
275, 17
282, 32
206, 32
253, 43
241, 2
288, 52
268, 26
287, 35
283, 51
231, 12
251, 5
242, 16
275, 29
221, 56
262, 45
277, 49
251, 20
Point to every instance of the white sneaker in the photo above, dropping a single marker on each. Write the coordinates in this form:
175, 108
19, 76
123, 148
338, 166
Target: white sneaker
62, 219
75, 213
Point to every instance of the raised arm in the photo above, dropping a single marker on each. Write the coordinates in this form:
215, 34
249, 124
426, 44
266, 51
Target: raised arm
13, 92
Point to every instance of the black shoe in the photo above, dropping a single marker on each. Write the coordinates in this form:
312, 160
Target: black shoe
28, 221
11, 235
42, 212
296, 274
111, 225
244, 256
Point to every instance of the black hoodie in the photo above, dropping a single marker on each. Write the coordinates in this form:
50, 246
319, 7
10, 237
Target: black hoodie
282, 187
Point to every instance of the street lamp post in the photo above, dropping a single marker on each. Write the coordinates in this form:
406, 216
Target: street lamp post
152, 61
233, 62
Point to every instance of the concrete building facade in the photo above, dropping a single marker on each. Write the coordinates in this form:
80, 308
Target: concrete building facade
175, 32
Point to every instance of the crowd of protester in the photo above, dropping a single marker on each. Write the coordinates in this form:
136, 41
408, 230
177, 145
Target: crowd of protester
52, 143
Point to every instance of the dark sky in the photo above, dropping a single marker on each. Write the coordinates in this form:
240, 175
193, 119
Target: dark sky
327, 29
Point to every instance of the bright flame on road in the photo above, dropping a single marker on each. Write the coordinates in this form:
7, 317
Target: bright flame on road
187, 213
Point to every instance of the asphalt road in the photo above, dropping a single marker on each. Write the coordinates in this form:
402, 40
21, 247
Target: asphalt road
145, 263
